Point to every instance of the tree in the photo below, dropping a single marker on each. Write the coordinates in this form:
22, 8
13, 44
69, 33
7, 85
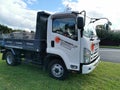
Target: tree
5, 29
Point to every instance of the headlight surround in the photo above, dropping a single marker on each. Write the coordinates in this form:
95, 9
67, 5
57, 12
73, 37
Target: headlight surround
87, 55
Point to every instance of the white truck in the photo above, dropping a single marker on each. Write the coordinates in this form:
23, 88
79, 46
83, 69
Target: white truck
63, 42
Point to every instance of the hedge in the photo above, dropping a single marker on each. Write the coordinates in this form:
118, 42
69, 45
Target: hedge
109, 38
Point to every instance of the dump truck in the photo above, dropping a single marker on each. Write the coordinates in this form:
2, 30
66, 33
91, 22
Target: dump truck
62, 43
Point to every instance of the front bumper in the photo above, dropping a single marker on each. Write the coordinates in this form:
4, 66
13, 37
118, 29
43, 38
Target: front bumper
87, 68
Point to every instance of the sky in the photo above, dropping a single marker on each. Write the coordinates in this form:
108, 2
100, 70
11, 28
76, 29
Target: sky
21, 14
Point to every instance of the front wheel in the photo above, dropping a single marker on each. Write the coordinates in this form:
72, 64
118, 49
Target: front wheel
57, 70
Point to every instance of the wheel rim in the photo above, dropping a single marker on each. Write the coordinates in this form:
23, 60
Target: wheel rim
9, 59
57, 70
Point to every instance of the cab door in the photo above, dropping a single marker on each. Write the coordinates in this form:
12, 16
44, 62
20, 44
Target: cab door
64, 40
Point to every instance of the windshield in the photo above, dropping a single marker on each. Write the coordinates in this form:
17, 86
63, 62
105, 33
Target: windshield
65, 27
89, 30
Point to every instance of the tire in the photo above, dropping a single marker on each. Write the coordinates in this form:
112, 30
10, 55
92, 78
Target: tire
10, 59
57, 70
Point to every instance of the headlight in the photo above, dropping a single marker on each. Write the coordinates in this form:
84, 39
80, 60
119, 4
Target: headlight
87, 55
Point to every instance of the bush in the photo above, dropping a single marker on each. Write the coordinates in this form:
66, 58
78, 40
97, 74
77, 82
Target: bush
110, 38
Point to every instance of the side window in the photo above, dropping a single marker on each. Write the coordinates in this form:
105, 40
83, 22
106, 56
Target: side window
65, 27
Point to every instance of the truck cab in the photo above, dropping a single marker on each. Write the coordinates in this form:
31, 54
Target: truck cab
74, 40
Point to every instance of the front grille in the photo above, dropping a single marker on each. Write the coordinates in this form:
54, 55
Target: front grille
95, 54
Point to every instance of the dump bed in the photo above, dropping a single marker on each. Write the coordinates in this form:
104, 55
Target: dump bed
31, 45
38, 43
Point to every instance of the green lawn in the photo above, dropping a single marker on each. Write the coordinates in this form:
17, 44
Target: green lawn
113, 47
29, 77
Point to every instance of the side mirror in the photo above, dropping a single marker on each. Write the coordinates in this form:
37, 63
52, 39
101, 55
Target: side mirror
107, 25
80, 22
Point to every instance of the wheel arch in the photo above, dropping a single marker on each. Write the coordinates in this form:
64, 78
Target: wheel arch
6, 50
51, 57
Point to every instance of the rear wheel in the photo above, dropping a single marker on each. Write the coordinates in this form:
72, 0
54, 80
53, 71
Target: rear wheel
10, 59
57, 70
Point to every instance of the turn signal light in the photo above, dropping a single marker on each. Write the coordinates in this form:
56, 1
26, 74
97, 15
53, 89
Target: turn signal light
92, 47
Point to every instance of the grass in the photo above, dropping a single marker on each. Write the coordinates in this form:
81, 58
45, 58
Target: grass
29, 77
112, 47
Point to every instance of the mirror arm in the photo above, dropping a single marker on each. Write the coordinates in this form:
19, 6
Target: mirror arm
81, 32
96, 19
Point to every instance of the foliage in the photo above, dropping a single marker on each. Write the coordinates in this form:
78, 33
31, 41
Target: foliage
110, 38
5, 29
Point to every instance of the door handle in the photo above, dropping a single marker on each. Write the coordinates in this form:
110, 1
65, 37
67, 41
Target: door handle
52, 43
